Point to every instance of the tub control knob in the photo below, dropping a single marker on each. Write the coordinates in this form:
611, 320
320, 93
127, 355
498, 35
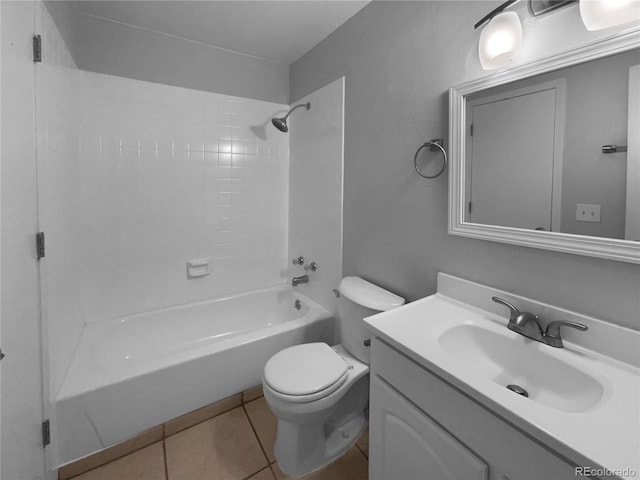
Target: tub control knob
298, 261
367, 342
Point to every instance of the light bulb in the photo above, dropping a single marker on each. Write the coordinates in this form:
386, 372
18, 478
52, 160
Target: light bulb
500, 40
599, 14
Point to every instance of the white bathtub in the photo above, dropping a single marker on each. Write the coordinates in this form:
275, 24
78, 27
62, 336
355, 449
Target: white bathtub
133, 373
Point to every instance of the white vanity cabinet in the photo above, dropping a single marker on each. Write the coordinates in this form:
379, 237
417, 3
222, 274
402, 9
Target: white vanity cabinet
422, 427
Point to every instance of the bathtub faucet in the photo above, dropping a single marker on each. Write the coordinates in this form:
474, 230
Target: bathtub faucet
298, 280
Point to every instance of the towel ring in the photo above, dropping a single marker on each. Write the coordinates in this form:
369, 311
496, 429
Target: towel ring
433, 145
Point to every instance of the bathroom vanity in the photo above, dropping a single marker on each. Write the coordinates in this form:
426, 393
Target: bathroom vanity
440, 406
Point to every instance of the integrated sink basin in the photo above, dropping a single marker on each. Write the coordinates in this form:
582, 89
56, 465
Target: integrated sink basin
508, 360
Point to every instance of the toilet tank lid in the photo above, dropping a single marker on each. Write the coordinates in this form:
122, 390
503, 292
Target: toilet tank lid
369, 295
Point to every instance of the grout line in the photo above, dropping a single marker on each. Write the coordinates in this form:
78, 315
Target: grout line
273, 472
164, 455
197, 423
112, 461
362, 451
91, 469
256, 473
255, 432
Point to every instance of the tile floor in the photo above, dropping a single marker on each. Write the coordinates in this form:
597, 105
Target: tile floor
234, 445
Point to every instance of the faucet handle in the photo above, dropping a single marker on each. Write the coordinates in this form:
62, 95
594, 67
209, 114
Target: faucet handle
514, 311
298, 261
553, 329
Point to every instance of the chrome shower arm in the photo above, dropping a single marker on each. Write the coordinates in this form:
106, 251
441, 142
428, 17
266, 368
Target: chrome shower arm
305, 105
281, 123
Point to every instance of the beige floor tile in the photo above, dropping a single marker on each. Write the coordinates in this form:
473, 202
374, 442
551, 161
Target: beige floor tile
145, 464
222, 448
108, 455
265, 474
205, 413
352, 465
363, 442
265, 423
252, 394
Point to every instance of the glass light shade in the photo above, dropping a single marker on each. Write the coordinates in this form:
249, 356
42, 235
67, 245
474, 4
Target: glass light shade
500, 40
599, 14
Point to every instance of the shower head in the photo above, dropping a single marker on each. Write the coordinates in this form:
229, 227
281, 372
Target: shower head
281, 123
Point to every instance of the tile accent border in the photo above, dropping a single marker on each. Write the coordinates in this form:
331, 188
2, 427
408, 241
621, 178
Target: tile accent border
110, 454
252, 394
202, 414
158, 433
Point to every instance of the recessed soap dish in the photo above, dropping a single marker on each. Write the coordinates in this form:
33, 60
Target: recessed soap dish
198, 268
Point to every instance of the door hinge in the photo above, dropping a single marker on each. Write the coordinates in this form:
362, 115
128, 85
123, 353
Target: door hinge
471, 130
37, 48
46, 433
40, 245
469, 207
1, 354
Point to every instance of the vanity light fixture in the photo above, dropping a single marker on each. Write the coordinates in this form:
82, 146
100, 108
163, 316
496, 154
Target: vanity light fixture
599, 14
500, 40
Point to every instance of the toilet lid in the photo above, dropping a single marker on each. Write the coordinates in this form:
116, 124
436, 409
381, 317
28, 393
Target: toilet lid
304, 369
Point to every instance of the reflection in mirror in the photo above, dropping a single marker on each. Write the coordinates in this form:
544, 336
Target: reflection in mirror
534, 156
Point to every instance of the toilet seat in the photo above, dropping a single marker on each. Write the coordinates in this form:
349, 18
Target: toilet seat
306, 372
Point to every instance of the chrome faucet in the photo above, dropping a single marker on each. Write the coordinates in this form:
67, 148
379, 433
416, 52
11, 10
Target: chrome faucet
524, 323
295, 281
527, 324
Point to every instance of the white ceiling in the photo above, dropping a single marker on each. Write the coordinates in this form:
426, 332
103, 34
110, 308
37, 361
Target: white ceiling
278, 31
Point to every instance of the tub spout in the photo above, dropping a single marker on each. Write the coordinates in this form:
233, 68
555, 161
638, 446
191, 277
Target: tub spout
298, 280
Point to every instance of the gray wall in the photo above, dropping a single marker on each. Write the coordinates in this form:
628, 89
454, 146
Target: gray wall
104, 46
399, 59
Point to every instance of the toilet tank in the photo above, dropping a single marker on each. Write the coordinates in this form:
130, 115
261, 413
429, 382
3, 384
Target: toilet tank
359, 299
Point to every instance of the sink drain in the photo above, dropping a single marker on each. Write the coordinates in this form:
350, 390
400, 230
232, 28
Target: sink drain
518, 389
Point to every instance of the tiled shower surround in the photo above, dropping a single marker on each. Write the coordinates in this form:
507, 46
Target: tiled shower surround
136, 179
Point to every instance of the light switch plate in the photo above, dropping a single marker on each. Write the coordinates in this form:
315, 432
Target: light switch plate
587, 213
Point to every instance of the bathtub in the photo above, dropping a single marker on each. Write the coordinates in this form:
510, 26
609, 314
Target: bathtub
130, 374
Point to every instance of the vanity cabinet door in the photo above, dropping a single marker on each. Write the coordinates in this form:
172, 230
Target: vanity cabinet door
509, 453
410, 446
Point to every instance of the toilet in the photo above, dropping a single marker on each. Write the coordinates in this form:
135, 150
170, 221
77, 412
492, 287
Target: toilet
319, 393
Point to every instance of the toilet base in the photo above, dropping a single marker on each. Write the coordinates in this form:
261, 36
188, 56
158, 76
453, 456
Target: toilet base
302, 449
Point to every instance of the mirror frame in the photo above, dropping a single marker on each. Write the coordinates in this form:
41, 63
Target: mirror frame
600, 247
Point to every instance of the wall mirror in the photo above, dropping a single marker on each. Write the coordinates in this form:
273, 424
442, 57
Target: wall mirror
547, 154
